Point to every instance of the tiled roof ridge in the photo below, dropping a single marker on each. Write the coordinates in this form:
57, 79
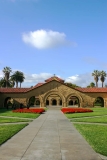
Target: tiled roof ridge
54, 78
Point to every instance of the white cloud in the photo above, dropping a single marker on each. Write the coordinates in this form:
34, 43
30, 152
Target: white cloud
82, 80
1, 74
42, 39
33, 79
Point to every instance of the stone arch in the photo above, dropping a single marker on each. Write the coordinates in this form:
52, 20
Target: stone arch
8, 102
79, 97
37, 101
99, 101
55, 93
31, 100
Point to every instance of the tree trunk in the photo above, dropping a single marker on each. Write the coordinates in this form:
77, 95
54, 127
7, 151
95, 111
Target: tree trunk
102, 84
96, 84
16, 84
20, 84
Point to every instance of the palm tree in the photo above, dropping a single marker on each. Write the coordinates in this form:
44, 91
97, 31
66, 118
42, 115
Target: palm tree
21, 78
18, 77
6, 72
96, 75
3, 83
103, 74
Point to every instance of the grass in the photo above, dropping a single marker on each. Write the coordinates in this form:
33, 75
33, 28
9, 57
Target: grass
6, 132
96, 112
13, 120
92, 120
4, 112
96, 135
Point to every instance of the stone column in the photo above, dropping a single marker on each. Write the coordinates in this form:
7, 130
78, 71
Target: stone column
58, 102
105, 103
64, 104
50, 102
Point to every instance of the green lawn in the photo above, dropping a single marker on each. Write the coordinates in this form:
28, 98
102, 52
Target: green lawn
4, 112
91, 120
96, 112
96, 135
13, 120
6, 132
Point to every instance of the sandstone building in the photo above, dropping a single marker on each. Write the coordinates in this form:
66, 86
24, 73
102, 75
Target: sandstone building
53, 92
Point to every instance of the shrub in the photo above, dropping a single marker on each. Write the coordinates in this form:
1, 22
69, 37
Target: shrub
76, 110
37, 110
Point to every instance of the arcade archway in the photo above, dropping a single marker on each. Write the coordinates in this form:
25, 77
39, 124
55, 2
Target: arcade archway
99, 102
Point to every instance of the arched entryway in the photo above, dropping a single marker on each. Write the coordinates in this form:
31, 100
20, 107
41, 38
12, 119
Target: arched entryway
73, 101
31, 101
37, 102
8, 102
34, 102
54, 102
53, 98
99, 102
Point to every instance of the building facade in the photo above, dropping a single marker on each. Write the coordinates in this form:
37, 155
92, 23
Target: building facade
53, 92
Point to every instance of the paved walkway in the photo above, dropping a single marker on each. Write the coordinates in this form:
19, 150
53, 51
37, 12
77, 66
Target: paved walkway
49, 137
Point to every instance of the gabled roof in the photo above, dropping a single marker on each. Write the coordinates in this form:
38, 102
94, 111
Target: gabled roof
92, 89
37, 85
54, 78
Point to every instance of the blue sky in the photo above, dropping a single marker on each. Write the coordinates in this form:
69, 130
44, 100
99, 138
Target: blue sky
45, 37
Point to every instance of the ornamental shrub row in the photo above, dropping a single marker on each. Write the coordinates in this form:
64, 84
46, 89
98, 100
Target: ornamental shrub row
38, 110
76, 110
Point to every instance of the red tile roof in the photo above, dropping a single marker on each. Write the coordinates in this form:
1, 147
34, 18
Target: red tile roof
23, 90
37, 85
55, 78
13, 90
92, 89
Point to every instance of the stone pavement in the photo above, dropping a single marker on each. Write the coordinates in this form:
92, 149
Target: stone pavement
49, 137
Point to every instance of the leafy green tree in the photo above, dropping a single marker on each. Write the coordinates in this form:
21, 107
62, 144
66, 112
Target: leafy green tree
71, 85
18, 77
7, 71
92, 84
96, 75
103, 75
21, 78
